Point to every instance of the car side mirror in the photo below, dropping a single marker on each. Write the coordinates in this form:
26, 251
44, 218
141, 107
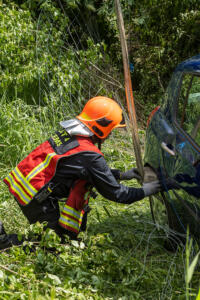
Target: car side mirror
165, 133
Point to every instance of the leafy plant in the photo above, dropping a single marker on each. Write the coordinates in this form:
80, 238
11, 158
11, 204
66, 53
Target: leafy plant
190, 267
54, 56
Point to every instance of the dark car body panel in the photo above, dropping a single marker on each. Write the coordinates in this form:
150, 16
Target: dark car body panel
184, 166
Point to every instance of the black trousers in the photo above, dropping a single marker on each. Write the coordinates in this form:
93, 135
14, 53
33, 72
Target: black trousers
47, 211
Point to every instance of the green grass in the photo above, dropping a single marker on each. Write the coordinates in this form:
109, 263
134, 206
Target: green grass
122, 258
121, 255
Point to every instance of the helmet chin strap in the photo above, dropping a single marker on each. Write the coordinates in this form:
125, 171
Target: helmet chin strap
99, 143
97, 140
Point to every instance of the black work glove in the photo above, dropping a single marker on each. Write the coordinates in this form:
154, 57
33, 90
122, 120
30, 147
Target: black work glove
130, 174
151, 188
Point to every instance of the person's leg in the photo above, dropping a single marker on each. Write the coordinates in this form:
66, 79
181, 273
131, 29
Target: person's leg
47, 211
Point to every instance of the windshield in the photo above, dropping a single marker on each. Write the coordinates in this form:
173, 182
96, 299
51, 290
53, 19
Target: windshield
188, 113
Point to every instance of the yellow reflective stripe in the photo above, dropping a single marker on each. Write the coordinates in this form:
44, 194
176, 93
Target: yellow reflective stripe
41, 166
72, 212
26, 185
17, 189
67, 221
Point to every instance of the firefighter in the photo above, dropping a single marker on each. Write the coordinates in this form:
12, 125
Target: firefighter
67, 166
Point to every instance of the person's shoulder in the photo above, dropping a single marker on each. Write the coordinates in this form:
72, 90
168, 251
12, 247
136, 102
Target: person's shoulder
86, 144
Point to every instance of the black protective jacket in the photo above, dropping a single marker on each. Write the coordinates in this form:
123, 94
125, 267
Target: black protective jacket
92, 167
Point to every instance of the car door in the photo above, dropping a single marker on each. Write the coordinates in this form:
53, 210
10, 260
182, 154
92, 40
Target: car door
183, 162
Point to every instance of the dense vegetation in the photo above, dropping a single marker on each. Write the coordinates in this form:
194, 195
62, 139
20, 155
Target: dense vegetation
54, 55
46, 47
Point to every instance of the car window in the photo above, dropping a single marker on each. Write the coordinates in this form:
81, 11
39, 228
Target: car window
188, 113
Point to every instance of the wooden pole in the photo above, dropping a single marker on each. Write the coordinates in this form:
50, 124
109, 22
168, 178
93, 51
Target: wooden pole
129, 90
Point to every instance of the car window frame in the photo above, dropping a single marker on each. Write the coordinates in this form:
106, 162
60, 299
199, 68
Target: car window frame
175, 109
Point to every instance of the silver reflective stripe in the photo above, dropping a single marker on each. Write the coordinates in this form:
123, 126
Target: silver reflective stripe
41, 166
69, 222
18, 189
25, 184
72, 212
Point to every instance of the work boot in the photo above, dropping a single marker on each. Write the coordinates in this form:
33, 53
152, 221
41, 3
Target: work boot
4, 243
2, 230
7, 240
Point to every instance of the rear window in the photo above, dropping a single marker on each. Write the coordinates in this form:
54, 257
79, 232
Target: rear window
188, 112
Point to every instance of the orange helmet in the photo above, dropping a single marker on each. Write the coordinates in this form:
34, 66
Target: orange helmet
101, 115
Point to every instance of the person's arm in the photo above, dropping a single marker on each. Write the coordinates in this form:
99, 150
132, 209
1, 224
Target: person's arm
116, 173
101, 176
127, 175
92, 167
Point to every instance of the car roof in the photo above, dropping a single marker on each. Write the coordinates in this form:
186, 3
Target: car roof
190, 65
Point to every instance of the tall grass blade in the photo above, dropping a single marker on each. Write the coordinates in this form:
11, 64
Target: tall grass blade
191, 268
106, 210
198, 296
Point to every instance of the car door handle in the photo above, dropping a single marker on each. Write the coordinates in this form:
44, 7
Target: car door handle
165, 147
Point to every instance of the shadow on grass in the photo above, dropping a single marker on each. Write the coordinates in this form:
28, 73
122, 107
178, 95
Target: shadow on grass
125, 226
127, 256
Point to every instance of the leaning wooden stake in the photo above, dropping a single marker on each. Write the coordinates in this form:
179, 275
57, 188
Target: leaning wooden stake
128, 90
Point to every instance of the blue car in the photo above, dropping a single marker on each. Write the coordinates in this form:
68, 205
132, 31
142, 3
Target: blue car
172, 152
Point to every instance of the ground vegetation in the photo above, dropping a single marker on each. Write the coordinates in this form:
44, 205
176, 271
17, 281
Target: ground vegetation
54, 55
